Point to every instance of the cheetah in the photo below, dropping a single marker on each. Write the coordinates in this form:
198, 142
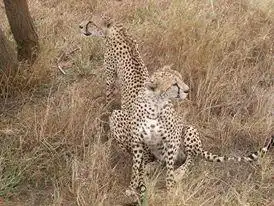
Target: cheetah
155, 124
122, 59
122, 62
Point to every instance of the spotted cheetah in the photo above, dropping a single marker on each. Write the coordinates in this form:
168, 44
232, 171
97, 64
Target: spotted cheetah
122, 59
155, 124
123, 62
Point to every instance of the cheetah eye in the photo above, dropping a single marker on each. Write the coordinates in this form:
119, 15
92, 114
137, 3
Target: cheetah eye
108, 25
175, 84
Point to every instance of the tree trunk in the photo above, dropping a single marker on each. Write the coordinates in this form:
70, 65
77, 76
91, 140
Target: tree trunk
22, 28
8, 60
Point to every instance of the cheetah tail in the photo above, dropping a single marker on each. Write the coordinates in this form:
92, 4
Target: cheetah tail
250, 158
262, 151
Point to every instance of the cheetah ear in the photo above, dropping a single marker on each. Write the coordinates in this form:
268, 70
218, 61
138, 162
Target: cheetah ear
151, 85
105, 20
102, 21
108, 23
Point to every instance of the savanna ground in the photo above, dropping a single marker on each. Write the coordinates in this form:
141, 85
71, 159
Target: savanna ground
53, 149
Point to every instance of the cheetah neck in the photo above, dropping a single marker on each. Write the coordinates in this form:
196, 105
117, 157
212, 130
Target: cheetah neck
122, 52
156, 103
156, 97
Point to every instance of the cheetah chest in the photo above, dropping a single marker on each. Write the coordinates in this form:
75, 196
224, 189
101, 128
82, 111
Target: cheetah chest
151, 132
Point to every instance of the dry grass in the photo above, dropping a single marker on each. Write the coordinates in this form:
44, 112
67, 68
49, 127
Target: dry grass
51, 126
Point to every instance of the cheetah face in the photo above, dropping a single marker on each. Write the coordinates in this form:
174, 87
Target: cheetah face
88, 28
168, 84
178, 90
99, 25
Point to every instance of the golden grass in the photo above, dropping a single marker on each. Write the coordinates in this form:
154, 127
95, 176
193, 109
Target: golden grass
51, 126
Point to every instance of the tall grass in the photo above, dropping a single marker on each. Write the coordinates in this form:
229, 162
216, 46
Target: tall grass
50, 123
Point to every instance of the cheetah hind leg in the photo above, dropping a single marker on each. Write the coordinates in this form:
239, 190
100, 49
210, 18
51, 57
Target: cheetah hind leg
180, 172
190, 142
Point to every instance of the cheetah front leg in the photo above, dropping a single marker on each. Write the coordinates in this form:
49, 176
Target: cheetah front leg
137, 169
170, 157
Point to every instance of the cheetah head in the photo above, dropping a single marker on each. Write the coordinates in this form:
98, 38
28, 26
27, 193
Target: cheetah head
168, 84
98, 26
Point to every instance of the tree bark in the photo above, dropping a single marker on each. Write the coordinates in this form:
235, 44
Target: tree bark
23, 30
8, 60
